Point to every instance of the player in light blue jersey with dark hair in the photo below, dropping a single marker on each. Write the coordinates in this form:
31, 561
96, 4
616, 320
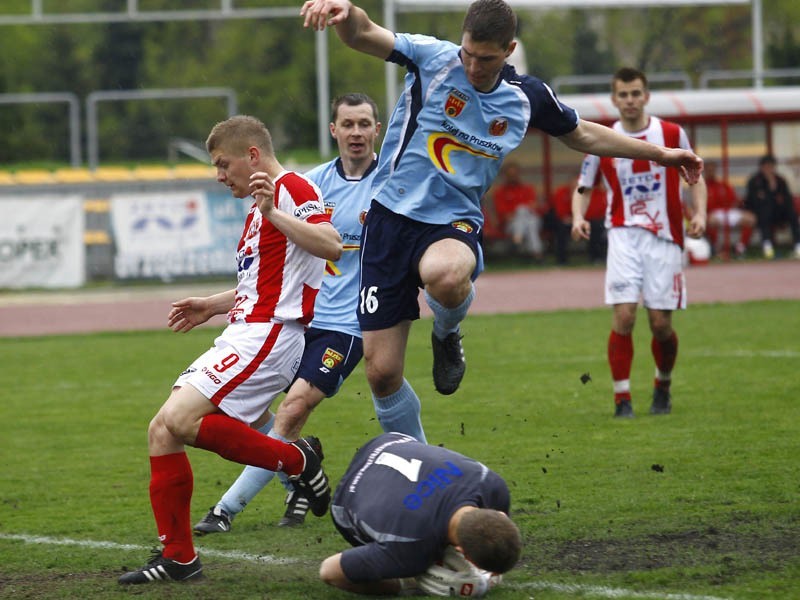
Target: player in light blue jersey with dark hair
463, 109
333, 341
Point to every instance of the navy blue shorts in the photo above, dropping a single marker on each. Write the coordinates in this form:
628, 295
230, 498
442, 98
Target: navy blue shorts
391, 248
329, 357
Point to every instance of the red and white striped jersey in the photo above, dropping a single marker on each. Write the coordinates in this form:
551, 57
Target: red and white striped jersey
642, 193
278, 280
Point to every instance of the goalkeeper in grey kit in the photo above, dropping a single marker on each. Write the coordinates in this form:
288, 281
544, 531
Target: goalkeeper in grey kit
421, 519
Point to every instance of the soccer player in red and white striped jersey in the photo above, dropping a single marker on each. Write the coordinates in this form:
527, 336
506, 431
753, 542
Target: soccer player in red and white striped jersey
645, 222
281, 259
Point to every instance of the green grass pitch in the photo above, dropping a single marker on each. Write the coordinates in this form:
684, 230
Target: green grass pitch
700, 504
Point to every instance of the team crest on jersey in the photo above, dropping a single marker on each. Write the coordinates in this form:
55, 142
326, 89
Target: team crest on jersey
331, 358
455, 103
362, 216
463, 226
498, 126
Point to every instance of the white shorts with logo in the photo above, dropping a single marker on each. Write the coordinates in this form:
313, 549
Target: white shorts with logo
248, 366
640, 264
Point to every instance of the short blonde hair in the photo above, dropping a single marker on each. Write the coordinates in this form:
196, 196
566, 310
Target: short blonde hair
236, 134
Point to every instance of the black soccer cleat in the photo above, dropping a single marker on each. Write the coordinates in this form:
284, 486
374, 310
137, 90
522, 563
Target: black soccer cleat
662, 402
164, 569
215, 521
624, 409
311, 482
448, 363
296, 509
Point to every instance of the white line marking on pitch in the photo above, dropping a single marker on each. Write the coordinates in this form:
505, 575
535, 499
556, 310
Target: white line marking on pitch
38, 539
576, 589
607, 592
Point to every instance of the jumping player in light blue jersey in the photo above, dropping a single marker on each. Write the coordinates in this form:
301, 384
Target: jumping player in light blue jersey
461, 112
333, 342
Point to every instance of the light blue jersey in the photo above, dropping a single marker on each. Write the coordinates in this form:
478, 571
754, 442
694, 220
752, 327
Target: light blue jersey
446, 140
347, 201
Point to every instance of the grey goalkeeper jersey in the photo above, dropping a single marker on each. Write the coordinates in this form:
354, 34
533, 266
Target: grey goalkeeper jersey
395, 501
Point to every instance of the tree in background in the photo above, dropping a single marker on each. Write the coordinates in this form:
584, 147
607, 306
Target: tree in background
271, 65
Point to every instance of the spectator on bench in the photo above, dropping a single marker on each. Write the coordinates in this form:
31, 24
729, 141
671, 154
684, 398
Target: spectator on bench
768, 196
726, 212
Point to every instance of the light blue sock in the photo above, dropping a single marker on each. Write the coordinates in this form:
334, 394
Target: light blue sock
251, 481
401, 412
446, 320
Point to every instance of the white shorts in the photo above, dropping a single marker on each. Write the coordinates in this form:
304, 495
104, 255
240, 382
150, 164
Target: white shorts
732, 217
642, 264
248, 366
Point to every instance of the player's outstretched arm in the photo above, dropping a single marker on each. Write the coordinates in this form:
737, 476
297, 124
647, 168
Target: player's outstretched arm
188, 313
592, 138
353, 26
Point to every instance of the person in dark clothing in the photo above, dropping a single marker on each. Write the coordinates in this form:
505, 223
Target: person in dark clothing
768, 196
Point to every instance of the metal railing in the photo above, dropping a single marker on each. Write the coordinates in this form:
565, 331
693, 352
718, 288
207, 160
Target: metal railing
93, 99
74, 115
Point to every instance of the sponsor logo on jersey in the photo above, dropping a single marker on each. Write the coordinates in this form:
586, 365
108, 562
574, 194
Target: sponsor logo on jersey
438, 480
244, 259
331, 358
440, 145
307, 209
211, 376
472, 140
331, 269
498, 126
641, 185
463, 226
455, 103
351, 240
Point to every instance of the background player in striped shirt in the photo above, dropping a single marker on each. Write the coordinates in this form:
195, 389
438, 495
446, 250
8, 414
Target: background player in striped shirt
333, 341
286, 236
462, 111
645, 222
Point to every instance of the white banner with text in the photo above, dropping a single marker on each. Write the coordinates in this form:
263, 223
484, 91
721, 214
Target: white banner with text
41, 242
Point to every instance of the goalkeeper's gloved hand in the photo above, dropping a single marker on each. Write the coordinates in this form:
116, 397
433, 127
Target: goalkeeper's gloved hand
456, 576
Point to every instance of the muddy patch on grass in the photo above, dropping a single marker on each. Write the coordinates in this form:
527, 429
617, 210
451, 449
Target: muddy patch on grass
771, 545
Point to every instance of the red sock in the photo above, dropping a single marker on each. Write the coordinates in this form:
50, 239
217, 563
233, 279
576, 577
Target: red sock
665, 354
236, 441
171, 485
747, 232
620, 358
712, 236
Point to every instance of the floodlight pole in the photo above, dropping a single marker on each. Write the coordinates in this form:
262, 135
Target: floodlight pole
758, 44
323, 93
